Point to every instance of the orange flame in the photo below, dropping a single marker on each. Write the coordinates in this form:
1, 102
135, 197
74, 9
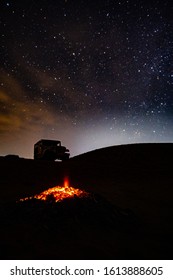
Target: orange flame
59, 193
66, 182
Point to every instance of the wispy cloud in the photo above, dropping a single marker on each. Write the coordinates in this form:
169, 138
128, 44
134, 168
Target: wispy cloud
18, 114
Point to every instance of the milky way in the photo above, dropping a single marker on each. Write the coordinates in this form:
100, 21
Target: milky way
88, 73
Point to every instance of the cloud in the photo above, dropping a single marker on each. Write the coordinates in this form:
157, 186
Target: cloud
18, 114
24, 120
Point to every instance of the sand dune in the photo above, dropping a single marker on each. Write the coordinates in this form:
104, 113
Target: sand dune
136, 179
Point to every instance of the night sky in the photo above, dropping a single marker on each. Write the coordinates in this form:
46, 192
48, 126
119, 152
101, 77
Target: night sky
88, 73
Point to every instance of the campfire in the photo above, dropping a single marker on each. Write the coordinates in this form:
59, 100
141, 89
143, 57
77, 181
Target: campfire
65, 208
59, 193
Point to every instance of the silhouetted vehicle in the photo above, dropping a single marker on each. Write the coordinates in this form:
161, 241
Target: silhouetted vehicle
50, 150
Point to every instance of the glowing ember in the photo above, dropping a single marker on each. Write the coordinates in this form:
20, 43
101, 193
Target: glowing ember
59, 193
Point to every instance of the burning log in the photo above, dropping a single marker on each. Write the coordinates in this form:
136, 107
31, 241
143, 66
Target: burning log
62, 206
53, 216
58, 193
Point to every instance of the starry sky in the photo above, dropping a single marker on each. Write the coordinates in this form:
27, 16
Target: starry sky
89, 73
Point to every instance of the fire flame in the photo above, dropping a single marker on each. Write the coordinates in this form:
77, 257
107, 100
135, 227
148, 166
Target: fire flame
59, 193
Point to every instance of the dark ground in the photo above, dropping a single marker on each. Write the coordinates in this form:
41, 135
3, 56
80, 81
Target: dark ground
130, 214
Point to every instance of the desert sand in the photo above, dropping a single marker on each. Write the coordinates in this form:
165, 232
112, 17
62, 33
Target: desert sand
129, 215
